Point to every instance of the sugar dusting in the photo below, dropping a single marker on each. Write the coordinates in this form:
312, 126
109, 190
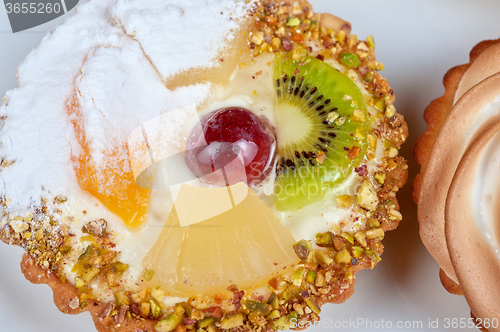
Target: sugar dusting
178, 35
35, 133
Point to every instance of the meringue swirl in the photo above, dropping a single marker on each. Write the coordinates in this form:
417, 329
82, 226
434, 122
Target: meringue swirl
460, 188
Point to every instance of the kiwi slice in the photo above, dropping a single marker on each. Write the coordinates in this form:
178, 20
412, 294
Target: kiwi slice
321, 126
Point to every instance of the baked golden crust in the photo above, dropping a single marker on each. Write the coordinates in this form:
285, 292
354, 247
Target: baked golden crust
431, 229
337, 288
65, 295
437, 111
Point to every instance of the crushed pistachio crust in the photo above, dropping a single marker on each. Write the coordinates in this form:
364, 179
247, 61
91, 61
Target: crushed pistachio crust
326, 268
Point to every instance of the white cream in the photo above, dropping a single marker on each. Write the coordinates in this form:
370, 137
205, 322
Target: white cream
486, 193
179, 35
324, 215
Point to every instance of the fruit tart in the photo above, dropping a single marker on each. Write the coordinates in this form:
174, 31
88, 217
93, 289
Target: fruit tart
456, 191
224, 166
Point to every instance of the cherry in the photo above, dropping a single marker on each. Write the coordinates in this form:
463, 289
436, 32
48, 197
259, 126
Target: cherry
235, 140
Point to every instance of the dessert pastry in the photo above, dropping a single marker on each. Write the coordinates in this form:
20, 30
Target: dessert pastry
456, 189
183, 167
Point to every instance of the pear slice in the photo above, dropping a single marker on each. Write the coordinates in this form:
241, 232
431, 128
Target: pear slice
236, 240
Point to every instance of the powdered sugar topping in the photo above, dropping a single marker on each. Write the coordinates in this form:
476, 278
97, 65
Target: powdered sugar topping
116, 79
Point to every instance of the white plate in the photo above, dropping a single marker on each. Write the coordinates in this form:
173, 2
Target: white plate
418, 41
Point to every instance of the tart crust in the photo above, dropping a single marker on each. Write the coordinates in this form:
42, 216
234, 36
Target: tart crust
432, 228
334, 276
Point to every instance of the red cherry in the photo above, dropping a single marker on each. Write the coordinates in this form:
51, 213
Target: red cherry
232, 138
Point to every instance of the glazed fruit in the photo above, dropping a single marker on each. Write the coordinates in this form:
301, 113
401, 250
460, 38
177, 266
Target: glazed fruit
246, 243
321, 125
227, 134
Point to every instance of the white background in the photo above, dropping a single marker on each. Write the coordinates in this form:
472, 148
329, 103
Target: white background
418, 41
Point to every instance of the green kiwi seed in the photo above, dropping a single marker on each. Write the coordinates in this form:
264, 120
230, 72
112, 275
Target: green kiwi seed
321, 124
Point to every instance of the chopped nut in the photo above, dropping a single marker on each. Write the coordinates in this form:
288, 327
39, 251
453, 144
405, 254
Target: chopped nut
362, 46
95, 227
276, 43
90, 273
145, 308
332, 116
280, 33
328, 42
314, 307
377, 233
391, 152
348, 237
287, 44
297, 307
361, 237
320, 157
396, 122
140, 296
357, 251
119, 267
344, 200
310, 277
297, 276
260, 308
168, 324
107, 309
158, 295
328, 277
232, 321
292, 21
323, 257
376, 66
74, 303
303, 250
120, 317
340, 121
394, 215
274, 314
205, 323
257, 38
320, 280
343, 257
361, 170
380, 177
339, 243
354, 152
149, 274
324, 239
390, 111
372, 223
283, 323
341, 36
155, 308
299, 53
358, 116
367, 196
391, 164
350, 60
372, 254
121, 298
323, 291
371, 42
60, 199
79, 282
